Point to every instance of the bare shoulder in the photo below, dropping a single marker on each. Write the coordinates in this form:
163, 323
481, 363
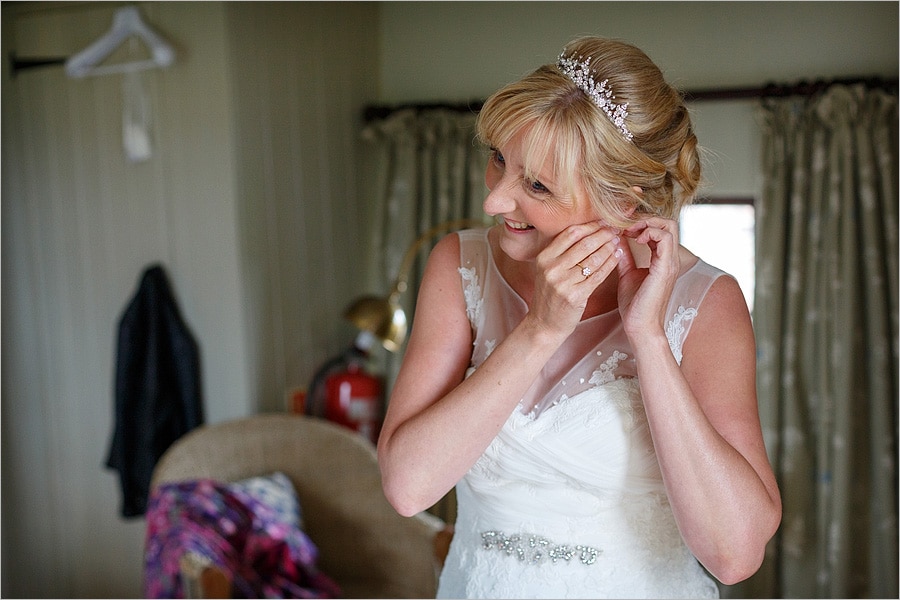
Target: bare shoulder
725, 306
445, 254
719, 359
441, 279
722, 322
439, 345
440, 308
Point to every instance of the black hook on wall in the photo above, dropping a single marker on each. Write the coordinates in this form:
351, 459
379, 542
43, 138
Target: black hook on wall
21, 64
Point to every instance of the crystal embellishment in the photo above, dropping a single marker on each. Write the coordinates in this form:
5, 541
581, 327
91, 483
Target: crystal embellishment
579, 72
534, 549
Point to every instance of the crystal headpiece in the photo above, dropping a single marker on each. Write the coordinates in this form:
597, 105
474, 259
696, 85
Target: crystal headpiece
579, 72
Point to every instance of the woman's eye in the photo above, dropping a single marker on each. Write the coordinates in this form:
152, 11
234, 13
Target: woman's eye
537, 186
498, 156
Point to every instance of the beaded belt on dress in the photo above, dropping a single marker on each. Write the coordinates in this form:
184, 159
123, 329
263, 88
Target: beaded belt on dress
534, 549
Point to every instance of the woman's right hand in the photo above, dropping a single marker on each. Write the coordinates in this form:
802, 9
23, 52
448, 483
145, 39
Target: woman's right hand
561, 288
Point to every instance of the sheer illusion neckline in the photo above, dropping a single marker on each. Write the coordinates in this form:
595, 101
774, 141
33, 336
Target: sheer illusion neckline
494, 264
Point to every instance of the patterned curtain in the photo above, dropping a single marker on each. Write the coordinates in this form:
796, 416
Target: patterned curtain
826, 322
426, 169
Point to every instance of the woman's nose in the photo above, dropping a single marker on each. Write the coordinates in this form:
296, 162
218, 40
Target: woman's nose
500, 199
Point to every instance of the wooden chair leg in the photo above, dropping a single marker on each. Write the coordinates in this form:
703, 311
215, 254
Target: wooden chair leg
202, 579
215, 583
442, 541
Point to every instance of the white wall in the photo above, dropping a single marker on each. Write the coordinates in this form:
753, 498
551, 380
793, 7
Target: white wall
249, 200
460, 51
301, 74
79, 224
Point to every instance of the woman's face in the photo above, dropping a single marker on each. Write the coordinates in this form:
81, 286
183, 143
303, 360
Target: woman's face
533, 210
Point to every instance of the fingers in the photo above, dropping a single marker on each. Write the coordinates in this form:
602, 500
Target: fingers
588, 253
584, 241
625, 262
570, 268
660, 236
578, 247
599, 263
594, 250
653, 229
578, 238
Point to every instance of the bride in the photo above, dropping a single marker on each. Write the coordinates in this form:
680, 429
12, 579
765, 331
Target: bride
586, 383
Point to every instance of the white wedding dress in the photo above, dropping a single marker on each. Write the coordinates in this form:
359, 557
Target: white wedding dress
568, 499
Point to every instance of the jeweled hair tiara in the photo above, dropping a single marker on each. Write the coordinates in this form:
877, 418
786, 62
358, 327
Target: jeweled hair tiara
579, 72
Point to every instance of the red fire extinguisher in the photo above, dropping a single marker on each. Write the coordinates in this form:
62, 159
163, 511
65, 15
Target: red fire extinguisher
353, 399
344, 393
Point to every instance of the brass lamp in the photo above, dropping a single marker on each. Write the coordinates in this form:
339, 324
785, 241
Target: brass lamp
383, 316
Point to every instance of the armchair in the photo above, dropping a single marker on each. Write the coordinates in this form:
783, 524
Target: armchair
364, 545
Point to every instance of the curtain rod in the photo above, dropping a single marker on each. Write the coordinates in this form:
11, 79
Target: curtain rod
801, 88
771, 90
381, 111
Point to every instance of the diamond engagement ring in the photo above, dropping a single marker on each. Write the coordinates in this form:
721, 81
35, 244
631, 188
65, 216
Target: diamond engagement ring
586, 271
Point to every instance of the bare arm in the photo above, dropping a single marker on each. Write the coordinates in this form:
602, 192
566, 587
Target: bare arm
704, 421
438, 423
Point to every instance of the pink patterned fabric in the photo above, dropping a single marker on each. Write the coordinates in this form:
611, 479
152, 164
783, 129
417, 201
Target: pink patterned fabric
265, 556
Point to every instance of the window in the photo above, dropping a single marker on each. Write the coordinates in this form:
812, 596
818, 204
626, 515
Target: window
722, 233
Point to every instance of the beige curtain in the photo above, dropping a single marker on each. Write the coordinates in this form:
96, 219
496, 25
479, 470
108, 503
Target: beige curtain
826, 325
428, 170
424, 168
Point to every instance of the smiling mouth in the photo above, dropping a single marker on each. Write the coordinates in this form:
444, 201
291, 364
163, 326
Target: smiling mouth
517, 226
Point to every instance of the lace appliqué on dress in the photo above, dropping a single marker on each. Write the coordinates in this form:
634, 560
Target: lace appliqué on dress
675, 330
474, 300
607, 371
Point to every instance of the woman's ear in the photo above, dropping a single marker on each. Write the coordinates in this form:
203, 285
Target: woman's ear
633, 207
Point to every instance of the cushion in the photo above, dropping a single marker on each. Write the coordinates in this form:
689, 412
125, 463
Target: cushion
276, 491
261, 554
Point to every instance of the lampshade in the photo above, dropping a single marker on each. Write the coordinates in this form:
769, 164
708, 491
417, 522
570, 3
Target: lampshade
383, 316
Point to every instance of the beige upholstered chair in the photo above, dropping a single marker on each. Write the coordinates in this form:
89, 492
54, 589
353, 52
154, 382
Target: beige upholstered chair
364, 545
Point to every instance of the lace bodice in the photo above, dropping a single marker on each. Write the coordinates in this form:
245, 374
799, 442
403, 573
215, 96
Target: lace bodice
568, 500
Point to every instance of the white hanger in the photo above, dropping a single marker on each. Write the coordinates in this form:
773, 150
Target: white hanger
127, 23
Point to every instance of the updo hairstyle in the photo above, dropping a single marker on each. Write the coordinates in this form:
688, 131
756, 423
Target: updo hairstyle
564, 124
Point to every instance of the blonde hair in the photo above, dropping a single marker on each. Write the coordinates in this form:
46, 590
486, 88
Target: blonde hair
563, 124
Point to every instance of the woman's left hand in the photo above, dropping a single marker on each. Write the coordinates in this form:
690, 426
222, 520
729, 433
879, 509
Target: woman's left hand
644, 292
